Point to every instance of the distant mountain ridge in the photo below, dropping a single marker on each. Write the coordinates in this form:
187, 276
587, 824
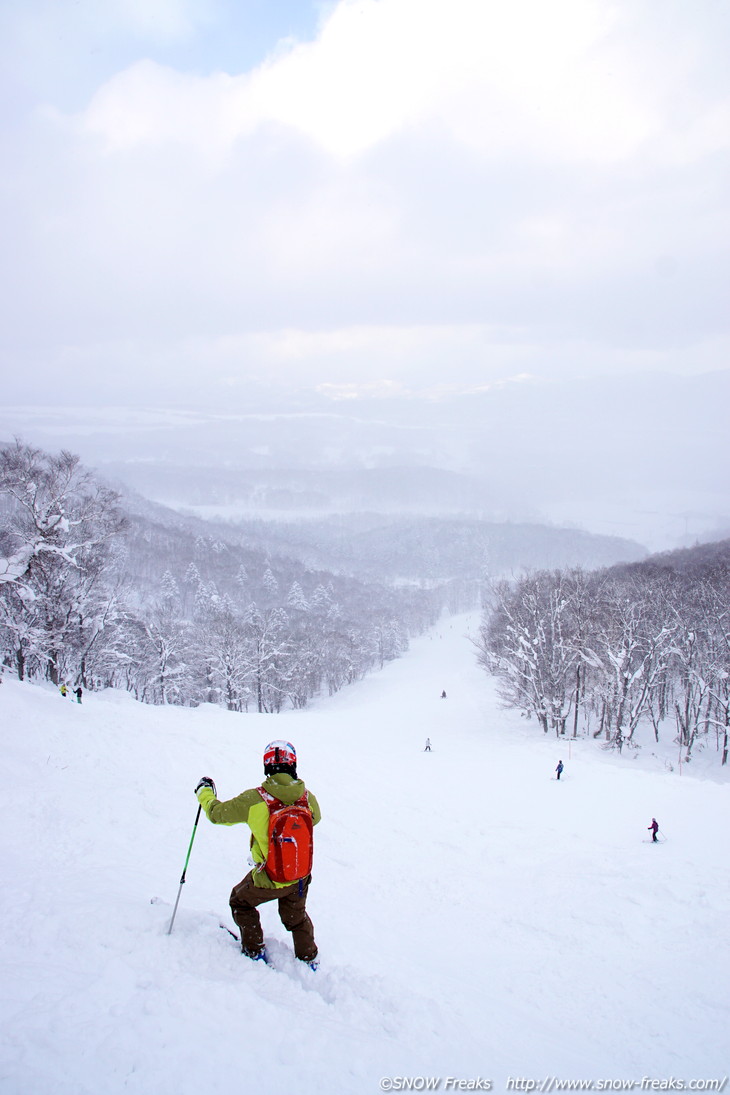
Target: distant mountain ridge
437, 549
696, 562
244, 492
395, 547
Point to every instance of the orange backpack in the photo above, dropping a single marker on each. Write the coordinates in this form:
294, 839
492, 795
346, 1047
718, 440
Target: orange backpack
291, 843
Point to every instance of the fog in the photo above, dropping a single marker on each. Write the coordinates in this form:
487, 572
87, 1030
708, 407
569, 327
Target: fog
484, 239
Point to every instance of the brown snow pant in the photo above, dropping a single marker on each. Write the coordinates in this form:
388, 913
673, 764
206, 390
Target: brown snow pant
292, 911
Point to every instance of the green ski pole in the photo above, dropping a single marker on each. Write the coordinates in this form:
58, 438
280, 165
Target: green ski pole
182, 879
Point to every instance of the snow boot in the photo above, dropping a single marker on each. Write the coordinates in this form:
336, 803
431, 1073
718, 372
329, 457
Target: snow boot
262, 956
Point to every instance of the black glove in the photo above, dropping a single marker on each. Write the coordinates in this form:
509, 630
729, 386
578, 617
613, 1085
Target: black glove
205, 782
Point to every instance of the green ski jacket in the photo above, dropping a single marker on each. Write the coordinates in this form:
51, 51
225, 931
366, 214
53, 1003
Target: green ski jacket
250, 808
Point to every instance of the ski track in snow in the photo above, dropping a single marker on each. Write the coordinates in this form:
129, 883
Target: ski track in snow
476, 918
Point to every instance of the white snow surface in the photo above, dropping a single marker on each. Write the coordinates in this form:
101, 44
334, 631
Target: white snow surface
477, 920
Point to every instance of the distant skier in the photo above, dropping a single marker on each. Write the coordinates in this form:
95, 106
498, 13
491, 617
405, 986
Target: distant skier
443, 695
78, 694
654, 829
427, 748
63, 690
559, 768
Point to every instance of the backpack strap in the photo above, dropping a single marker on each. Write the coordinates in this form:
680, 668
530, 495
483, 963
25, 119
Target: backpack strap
276, 804
268, 799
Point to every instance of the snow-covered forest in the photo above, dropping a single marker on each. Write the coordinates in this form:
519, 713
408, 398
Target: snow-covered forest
602, 652
100, 593
101, 589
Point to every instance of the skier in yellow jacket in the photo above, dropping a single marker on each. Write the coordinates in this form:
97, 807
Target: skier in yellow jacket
252, 808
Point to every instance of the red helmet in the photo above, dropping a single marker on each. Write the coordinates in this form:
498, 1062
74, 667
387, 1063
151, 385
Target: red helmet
280, 752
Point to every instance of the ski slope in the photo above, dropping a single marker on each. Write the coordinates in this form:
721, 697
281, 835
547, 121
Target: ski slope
478, 922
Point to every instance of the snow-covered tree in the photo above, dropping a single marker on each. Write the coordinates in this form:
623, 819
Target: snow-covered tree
58, 523
529, 645
270, 654
170, 591
296, 599
622, 645
270, 582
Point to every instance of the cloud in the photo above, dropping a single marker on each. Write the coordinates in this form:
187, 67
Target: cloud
475, 189
496, 77
574, 80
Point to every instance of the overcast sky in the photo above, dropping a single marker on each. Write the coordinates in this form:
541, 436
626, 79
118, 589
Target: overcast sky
367, 195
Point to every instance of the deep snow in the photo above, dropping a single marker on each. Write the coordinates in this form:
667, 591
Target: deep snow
477, 920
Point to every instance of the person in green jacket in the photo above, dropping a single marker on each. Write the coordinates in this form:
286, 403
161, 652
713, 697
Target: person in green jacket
281, 782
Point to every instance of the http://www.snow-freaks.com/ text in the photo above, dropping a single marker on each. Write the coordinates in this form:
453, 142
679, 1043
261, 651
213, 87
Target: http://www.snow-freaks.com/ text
548, 1084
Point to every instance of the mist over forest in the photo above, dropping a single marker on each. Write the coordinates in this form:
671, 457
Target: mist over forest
104, 588
100, 588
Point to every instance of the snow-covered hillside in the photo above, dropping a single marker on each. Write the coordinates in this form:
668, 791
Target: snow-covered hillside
477, 920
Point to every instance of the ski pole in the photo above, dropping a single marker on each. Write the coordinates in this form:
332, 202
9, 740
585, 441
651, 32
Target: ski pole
182, 879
